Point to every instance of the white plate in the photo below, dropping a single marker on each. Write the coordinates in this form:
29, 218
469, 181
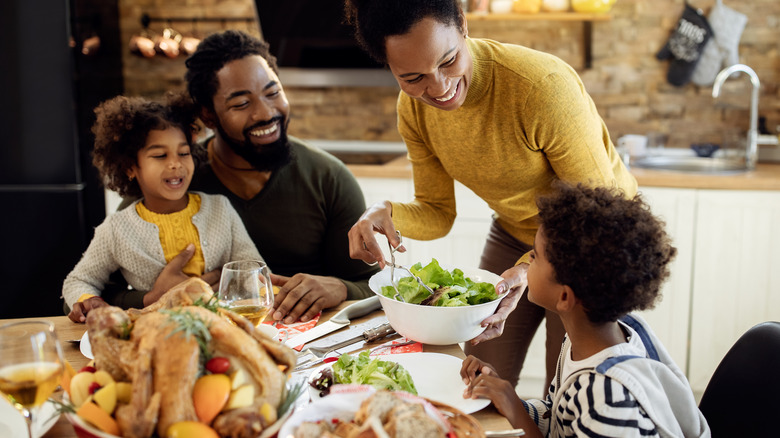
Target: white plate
12, 424
436, 377
85, 347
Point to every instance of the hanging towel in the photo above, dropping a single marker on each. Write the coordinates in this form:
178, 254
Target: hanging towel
685, 45
722, 50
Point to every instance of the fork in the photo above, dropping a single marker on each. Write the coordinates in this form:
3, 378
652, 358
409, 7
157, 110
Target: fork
394, 266
319, 353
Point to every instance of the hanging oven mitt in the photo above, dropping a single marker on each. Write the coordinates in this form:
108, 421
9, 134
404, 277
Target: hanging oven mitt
722, 50
685, 45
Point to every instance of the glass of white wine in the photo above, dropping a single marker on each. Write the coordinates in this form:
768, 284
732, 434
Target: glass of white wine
245, 288
31, 365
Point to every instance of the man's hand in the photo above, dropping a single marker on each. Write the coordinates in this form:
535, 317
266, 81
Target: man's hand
80, 310
515, 280
303, 296
173, 274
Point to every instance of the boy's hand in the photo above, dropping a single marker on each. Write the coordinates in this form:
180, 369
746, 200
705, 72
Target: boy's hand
472, 368
80, 310
502, 394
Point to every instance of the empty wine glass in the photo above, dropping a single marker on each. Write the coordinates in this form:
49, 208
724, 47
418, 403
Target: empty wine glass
31, 365
245, 288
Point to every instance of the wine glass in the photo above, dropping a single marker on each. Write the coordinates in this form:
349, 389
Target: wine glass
30, 365
245, 288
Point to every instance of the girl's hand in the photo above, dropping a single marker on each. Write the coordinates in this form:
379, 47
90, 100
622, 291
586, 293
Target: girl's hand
80, 310
362, 244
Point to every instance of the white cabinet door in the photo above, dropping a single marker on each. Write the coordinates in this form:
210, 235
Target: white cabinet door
736, 280
670, 317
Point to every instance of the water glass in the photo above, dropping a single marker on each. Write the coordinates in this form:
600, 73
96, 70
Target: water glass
245, 288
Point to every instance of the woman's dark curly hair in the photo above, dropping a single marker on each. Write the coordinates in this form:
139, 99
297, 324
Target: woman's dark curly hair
212, 54
375, 20
610, 250
121, 127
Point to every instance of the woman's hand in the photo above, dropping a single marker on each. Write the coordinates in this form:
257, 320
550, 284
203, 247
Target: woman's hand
80, 310
515, 280
362, 244
303, 296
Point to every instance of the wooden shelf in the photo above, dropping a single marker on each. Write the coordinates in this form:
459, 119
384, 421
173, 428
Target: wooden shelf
541, 16
587, 20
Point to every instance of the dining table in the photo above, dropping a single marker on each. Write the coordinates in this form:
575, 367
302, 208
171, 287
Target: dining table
68, 332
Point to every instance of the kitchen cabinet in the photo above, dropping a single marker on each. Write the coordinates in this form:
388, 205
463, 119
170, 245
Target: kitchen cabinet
736, 282
722, 280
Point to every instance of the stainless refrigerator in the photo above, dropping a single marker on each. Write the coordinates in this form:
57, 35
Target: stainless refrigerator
49, 194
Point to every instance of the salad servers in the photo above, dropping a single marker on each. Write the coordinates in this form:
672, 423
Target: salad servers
394, 266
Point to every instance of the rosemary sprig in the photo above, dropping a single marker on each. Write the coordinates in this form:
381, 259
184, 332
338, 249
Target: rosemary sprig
126, 328
212, 303
61, 407
191, 325
293, 392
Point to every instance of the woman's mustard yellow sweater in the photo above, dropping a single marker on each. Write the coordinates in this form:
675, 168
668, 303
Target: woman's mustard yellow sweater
526, 121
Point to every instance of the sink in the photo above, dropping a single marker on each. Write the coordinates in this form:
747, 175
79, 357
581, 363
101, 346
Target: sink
362, 152
687, 163
375, 158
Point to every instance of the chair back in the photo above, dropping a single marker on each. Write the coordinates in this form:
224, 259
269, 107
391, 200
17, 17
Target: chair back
743, 395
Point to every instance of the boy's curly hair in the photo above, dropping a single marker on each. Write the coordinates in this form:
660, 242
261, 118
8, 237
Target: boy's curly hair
212, 54
375, 20
121, 126
610, 250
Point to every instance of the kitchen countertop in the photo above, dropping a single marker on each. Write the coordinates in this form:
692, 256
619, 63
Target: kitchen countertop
765, 177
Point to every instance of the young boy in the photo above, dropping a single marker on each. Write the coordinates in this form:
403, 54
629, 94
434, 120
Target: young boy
598, 256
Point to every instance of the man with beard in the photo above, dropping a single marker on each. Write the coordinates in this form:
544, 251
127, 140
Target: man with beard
297, 202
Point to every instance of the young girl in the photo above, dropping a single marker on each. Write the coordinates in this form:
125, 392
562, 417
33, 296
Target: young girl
144, 149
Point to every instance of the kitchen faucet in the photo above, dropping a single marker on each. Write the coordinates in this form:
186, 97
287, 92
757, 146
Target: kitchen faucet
753, 138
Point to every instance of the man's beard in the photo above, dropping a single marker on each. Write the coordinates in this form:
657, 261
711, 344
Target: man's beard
263, 158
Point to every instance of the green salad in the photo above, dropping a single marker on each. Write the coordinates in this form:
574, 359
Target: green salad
364, 370
451, 288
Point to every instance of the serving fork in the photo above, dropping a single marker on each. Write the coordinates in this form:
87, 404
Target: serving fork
394, 266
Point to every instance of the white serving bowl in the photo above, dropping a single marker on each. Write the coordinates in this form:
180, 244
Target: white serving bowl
436, 325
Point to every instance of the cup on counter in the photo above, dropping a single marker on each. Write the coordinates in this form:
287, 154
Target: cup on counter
632, 146
656, 142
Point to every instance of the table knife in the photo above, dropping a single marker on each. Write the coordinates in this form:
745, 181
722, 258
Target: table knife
369, 335
339, 320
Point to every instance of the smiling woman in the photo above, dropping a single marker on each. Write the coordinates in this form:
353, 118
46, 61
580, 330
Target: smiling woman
502, 119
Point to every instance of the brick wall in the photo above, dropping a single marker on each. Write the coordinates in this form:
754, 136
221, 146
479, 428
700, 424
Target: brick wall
626, 81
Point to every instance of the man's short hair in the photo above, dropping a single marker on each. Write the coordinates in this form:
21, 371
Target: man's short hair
212, 54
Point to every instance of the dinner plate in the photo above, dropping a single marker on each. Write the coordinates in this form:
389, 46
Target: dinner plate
85, 347
436, 377
12, 424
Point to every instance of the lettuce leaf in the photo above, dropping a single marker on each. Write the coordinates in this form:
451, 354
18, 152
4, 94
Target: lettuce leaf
364, 370
463, 291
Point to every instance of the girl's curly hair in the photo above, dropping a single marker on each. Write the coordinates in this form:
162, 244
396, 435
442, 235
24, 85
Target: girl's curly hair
610, 250
121, 126
375, 20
